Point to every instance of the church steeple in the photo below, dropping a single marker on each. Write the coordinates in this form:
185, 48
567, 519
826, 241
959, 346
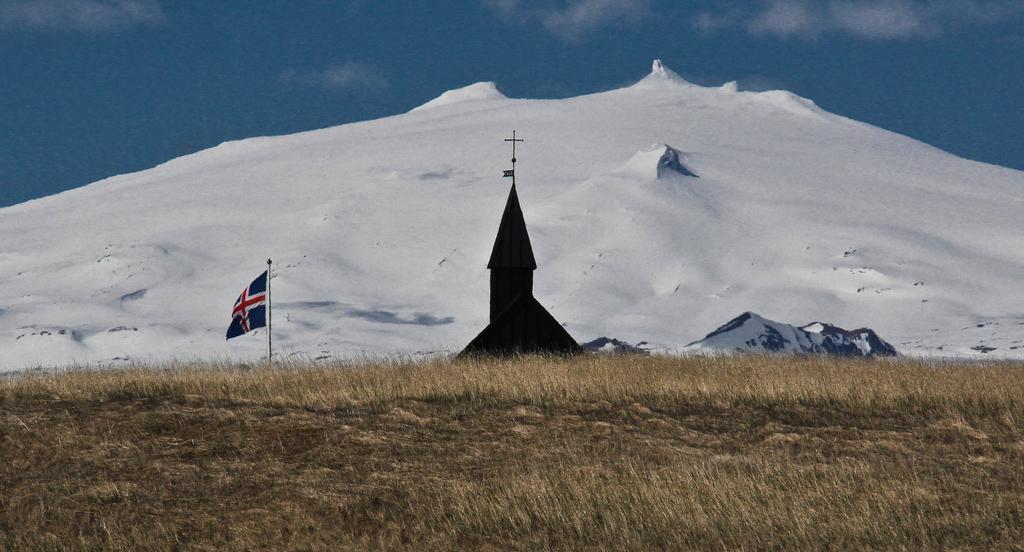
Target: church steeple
518, 322
512, 245
512, 263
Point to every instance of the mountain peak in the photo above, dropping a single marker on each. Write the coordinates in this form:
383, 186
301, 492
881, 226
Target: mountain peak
661, 76
752, 333
474, 92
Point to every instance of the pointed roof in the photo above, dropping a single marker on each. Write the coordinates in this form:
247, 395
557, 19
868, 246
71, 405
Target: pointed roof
512, 245
524, 327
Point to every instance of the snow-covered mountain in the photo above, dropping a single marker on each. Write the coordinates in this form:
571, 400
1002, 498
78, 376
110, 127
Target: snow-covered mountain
656, 211
752, 333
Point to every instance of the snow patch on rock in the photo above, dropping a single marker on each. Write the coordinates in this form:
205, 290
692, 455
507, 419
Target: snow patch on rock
752, 333
836, 340
660, 162
610, 345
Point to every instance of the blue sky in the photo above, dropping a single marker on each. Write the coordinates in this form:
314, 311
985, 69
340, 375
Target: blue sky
94, 88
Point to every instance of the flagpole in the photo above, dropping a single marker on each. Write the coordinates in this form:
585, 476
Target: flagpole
270, 350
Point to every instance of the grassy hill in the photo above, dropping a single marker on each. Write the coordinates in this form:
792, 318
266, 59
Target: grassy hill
594, 453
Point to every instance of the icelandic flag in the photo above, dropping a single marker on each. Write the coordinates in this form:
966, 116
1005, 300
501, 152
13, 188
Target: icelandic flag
250, 311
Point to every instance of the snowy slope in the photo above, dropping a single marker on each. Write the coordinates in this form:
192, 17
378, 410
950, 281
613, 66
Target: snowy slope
381, 230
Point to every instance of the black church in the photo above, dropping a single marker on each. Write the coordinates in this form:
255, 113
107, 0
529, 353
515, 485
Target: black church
519, 323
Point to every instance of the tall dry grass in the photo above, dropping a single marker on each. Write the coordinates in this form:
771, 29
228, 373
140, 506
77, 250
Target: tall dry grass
928, 388
529, 453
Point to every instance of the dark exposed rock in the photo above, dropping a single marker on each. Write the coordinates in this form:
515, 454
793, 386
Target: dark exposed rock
615, 346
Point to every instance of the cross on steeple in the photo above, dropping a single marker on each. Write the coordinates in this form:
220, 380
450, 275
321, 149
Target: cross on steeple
519, 324
512, 173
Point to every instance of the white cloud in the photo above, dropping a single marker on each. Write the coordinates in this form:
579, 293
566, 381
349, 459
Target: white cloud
79, 15
710, 22
884, 19
573, 19
865, 19
583, 16
346, 76
786, 18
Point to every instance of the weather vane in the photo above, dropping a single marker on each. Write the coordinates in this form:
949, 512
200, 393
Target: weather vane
512, 173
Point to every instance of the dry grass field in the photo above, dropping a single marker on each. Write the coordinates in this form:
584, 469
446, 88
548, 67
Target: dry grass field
596, 453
